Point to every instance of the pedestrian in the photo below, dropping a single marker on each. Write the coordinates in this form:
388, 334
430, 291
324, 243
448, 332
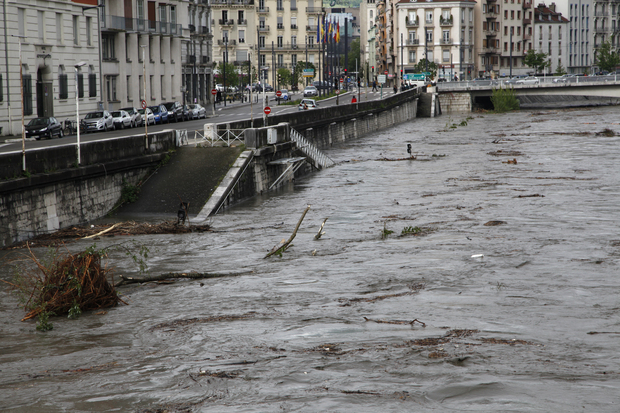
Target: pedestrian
305, 106
456, 78
374, 85
395, 88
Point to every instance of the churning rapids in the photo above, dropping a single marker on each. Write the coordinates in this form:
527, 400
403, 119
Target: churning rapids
518, 315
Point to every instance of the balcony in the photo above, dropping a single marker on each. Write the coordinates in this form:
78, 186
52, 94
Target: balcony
601, 14
429, 23
293, 26
413, 42
242, 22
311, 28
262, 9
226, 22
192, 28
280, 8
263, 29
205, 60
527, 21
314, 10
527, 36
446, 41
216, 3
445, 22
204, 30
231, 42
490, 33
280, 26
119, 23
490, 50
527, 5
412, 23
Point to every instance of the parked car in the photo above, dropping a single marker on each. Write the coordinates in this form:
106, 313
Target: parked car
149, 115
161, 114
121, 119
253, 87
136, 118
197, 111
306, 104
310, 91
285, 95
175, 111
513, 80
268, 88
43, 127
565, 79
530, 80
98, 120
321, 84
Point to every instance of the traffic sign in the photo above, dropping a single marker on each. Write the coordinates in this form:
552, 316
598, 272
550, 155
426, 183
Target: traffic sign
337, 91
143, 104
381, 78
278, 93
214, 91
341, 80
267, 110
386, 72
330, 73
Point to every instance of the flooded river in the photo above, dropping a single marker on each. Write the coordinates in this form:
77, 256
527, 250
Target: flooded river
458, 281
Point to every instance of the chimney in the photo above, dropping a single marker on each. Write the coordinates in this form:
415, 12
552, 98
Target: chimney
552, 7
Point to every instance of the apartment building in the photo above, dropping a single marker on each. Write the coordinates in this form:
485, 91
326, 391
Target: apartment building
137, 37
197, 54
58, 46
441, 31
368, 13
606, 24
282, 32
514, 34
487, 38
551, 35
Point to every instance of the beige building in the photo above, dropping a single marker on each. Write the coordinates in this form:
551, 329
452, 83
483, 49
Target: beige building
284, 30
442, 31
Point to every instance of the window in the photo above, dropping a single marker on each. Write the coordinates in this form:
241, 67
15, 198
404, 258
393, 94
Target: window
241, 17
107, 49
445, 14
429, 36
261, 22
173, 15
412, 56
261, 42
429, 17
63, 84
161, 86
294, 41
471, 15
430, 56
505, 46
41, 24
21, 21
446, 36
280, 22
129, 99
92, 82
512, 14
59, 28
80, 83
263, 60
224, 16
294, 60
280, 43
163, 16
241, 36
293, 4
140, 5
76, 30
505, 30
279, 5
518, 14
1, 92
89, 37
411, 36
505, 14
518, 30
242, 55
293, 22
446, 56
110, 84
280, 60
27, 90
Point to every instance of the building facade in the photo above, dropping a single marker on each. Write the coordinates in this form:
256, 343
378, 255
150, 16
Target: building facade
580, 34
551, 36
197, 54
441, 31
368, 13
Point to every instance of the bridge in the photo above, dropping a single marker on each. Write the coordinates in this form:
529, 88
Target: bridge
463, 96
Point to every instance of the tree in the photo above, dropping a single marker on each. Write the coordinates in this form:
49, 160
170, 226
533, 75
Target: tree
420, 67
537, 61
606, 58
354, 54
299, 71
559, 71
285, 75
232, 75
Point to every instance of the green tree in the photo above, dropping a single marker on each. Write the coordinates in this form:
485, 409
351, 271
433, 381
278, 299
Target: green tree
606, 58
537, 61
232, 75
354, 54
299, 71
504, 100
285, 75
559, 71
420, 67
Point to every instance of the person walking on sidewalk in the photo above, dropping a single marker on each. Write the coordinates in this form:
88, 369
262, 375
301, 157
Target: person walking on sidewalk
374, 85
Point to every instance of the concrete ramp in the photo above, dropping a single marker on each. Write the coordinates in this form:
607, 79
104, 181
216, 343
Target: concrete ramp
191, 175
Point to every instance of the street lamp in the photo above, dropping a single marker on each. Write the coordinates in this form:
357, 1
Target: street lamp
21, 86
143, 103
77, 109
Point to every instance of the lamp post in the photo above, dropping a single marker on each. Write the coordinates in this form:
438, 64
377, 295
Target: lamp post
21, 87
224, 64
77, 109
146, 109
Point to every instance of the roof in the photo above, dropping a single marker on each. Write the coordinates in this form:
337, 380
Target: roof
545, 14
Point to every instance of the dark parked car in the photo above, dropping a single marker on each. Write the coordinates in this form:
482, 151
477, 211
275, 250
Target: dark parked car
175, 111
43, 128
161, 114
321, 85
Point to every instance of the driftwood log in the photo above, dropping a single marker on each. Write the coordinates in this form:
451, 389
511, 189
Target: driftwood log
191, 275
279, 249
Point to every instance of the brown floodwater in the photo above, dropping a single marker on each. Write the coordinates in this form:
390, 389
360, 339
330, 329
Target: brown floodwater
510, 269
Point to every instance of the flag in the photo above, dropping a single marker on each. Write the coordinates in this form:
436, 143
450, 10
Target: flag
322, 23
338, 33
318, 31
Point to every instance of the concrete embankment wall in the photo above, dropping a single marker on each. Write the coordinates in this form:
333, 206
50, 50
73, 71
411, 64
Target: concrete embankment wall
57, 194
455, 102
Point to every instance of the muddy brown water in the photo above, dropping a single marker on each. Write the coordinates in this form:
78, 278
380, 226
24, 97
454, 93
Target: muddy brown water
506, 312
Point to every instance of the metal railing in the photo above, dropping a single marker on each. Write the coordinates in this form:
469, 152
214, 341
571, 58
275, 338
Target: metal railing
228, 136
310, 150
121, 23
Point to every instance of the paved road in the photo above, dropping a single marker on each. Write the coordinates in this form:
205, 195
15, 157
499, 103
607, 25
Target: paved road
230, 112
